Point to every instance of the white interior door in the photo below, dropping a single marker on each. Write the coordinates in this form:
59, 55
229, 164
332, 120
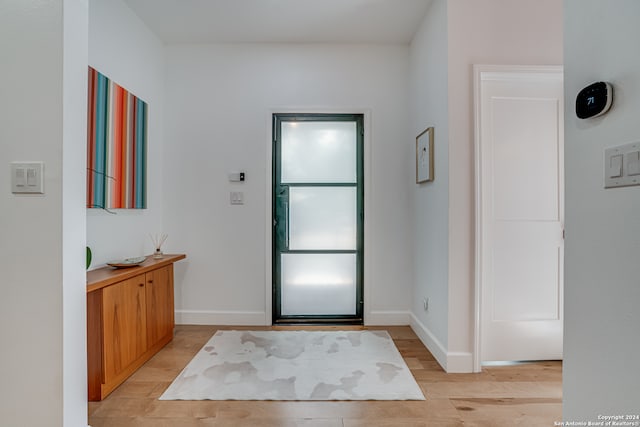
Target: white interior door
520, 213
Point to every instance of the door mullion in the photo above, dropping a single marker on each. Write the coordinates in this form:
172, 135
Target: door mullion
321, 184
321, 251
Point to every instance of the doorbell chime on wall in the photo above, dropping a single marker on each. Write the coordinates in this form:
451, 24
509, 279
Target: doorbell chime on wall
594, 100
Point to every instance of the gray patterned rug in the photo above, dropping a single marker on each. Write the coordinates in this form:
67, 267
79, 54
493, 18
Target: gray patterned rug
296, 365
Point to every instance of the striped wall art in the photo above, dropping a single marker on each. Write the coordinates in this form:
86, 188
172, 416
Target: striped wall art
116, 146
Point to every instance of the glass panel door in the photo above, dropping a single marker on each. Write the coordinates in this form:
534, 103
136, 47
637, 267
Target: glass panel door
318, 218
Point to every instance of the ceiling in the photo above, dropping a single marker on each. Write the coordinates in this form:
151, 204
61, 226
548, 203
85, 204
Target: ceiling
282, 21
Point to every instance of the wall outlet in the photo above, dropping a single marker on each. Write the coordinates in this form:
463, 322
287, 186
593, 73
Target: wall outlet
425, 304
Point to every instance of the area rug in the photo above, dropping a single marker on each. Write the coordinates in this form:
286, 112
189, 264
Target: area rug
296, 365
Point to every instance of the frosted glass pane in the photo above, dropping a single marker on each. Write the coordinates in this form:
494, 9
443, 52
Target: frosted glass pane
322, 218
318, 152
318, 284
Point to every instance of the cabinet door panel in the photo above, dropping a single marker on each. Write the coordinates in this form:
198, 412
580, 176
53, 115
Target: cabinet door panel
159, 298
125, 337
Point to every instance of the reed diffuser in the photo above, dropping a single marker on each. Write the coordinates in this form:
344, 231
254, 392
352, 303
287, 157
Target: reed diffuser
158, 240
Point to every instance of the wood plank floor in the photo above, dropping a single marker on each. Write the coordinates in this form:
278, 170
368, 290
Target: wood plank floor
527, 395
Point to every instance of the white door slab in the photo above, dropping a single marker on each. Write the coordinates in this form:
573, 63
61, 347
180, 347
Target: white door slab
519, 212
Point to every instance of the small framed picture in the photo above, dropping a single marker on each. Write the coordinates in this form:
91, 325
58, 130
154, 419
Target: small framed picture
424, 156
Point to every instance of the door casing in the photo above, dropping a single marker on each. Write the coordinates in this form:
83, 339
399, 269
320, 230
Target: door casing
369, 216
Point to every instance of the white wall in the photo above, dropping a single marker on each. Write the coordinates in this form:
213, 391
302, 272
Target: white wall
124, 49
488, 32
602, 293
74, 234
496, 32
43, 359
219, 100
429, 107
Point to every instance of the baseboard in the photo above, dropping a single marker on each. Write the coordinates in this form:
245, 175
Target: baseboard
452, 362
429, 340
220, 317
255, 318
387, 318
459, 362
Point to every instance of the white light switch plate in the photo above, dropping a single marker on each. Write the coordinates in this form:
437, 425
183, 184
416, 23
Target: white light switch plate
237, 197
27, 177
621, 165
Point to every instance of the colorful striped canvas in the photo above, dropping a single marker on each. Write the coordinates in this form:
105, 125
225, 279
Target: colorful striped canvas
116, 146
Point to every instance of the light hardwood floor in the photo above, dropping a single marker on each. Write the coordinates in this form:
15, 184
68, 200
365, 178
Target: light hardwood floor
528, 395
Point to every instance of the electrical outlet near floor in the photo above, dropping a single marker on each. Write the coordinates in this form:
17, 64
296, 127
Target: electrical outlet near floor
425, 304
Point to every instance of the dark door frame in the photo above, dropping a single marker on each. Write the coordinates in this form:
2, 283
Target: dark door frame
277, 317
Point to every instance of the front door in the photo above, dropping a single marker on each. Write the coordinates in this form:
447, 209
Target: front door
318, 212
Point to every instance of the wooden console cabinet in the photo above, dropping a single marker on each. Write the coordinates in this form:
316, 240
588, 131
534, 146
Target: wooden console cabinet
130, 317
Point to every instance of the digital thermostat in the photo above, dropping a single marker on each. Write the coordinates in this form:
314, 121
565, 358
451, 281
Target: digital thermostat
594, 100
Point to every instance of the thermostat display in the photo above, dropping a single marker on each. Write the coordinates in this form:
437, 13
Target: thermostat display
594, 100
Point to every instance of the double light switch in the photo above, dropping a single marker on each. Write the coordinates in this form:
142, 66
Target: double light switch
27, 177
622, 165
